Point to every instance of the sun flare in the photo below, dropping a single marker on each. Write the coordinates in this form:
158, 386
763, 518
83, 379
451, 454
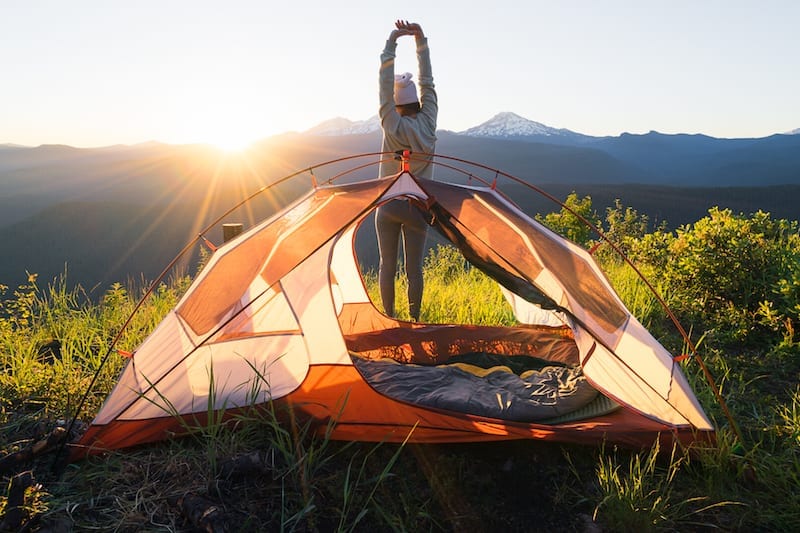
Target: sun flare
233, 144
231, 139
228, 132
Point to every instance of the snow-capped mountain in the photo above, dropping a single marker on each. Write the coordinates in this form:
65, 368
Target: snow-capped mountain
511, 125
343, 126
503, 125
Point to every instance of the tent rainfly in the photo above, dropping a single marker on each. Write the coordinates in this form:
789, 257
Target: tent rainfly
280, 314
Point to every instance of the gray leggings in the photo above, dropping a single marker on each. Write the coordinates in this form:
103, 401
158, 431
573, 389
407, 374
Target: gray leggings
391, 220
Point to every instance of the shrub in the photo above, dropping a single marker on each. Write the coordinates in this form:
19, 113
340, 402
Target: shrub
625, 226
735, 275
567, 222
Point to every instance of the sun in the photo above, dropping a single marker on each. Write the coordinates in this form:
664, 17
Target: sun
233, 143
231, 133
231, 138
225, 116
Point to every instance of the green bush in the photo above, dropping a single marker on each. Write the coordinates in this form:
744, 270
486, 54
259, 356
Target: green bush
736, 275
567, 222
625, 226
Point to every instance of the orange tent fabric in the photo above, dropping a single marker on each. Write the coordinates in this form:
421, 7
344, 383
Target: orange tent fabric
277, 313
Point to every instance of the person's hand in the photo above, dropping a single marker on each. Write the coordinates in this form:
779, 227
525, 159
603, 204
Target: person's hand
401, 29
410, 28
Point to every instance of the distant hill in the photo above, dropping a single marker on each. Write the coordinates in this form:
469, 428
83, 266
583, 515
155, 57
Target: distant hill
343, 126
540, 162
94, 243
509, 141
119, 211
699, 160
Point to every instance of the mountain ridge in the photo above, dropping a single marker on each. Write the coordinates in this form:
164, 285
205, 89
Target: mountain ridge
504, 124
343, 126
157, 196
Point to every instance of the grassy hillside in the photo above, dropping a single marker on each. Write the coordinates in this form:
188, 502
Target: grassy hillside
261, 474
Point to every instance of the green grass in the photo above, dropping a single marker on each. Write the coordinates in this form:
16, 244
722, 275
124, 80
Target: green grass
297, 481
453, 293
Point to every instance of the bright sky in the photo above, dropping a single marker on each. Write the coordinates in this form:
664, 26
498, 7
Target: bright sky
95, 73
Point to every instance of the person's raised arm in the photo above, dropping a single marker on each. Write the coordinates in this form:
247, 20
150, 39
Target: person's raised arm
428, 99
387, 112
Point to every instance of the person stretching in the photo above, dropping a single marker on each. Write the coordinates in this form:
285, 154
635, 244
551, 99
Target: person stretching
408, 123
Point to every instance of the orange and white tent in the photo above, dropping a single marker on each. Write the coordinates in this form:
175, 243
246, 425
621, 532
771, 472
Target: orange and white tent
281, 314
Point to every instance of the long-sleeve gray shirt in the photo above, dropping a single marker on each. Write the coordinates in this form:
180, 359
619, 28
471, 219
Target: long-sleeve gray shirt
417, 133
